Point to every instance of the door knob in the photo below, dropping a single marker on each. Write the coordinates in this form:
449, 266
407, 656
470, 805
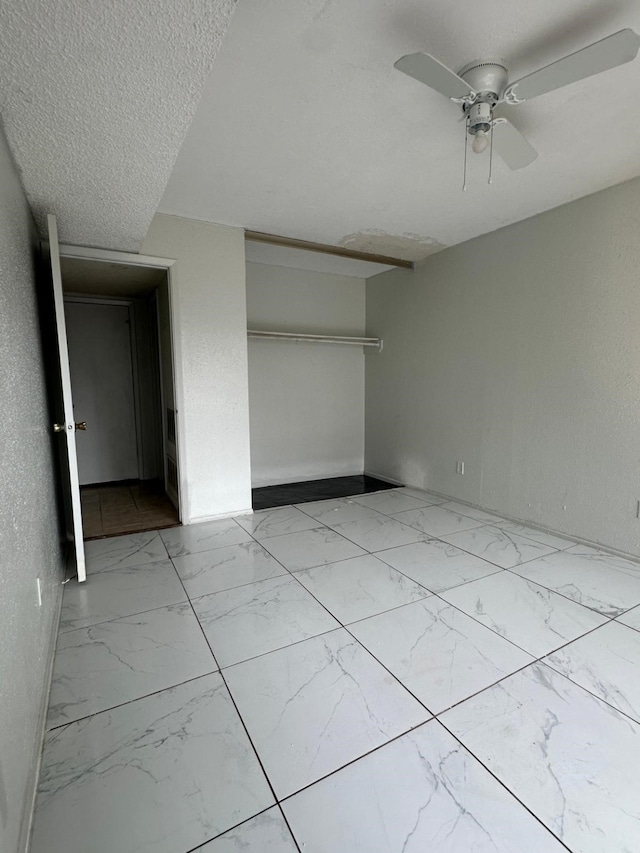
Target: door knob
82, 425
58, 427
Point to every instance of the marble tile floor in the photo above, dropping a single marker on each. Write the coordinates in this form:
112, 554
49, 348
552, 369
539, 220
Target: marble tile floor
383, 673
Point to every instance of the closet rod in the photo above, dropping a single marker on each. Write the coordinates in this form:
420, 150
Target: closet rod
373, 343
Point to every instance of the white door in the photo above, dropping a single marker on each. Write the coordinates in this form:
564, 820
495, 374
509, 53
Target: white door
100, 360
64, 424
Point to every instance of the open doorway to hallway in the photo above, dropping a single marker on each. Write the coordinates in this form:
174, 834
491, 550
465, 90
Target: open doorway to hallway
121, 364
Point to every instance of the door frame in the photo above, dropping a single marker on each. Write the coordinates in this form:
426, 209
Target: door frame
88, 253
127, 303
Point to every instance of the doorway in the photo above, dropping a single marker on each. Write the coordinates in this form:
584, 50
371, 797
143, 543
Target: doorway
121, 364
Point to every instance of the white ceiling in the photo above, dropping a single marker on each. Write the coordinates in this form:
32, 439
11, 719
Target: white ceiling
300, 259
306, 130
96, 98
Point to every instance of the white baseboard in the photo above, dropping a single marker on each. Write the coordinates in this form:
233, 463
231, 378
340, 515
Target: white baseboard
202, 518
384, 478
302, 478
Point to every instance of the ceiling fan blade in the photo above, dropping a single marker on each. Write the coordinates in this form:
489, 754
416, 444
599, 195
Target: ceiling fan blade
600, 56
434, 74
511, 145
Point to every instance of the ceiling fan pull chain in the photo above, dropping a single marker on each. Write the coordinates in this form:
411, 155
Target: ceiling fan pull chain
466, 145
490, 150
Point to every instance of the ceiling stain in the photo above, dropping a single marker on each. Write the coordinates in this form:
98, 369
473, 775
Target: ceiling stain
406, 247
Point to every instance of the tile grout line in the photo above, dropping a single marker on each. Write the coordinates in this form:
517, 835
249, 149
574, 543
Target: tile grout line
431, 593
483, 523
566, 597
434, 717
505, 786
534, 659
156, 533
240, 717
238, 586
170, 687
433, 536
341, 625
437, 595
430, 536
360, 757
502, 519
119, 618
397, 678
436, 721
117, 567
513, 642
224, 681
345, 626
131, 701
231, 829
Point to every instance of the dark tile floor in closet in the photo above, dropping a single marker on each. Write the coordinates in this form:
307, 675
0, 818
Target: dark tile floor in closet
316, 490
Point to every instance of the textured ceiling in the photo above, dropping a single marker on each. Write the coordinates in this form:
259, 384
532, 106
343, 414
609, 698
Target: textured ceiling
305, 129
96, 97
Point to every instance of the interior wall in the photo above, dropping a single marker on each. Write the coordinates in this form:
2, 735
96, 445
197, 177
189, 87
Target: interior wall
209, 319
518, 353
167, 395
148, 369
29, 531
306, 400
130, 447
100, 362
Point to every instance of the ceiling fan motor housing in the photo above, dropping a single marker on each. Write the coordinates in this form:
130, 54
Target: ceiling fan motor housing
487, 78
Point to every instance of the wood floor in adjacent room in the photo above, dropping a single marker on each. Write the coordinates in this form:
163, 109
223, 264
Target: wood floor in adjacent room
109, 509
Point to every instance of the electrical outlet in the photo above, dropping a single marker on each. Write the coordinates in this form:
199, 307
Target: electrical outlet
459, 467
39, 592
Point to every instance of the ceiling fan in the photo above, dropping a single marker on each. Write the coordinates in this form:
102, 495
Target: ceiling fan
483, 84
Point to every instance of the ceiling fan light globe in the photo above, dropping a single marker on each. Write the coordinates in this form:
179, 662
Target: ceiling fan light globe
480, 142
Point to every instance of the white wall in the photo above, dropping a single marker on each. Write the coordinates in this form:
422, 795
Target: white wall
167, 390
92, 457
148, 368
519, 354
29, 532
101, 366
306, 400
210, 343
